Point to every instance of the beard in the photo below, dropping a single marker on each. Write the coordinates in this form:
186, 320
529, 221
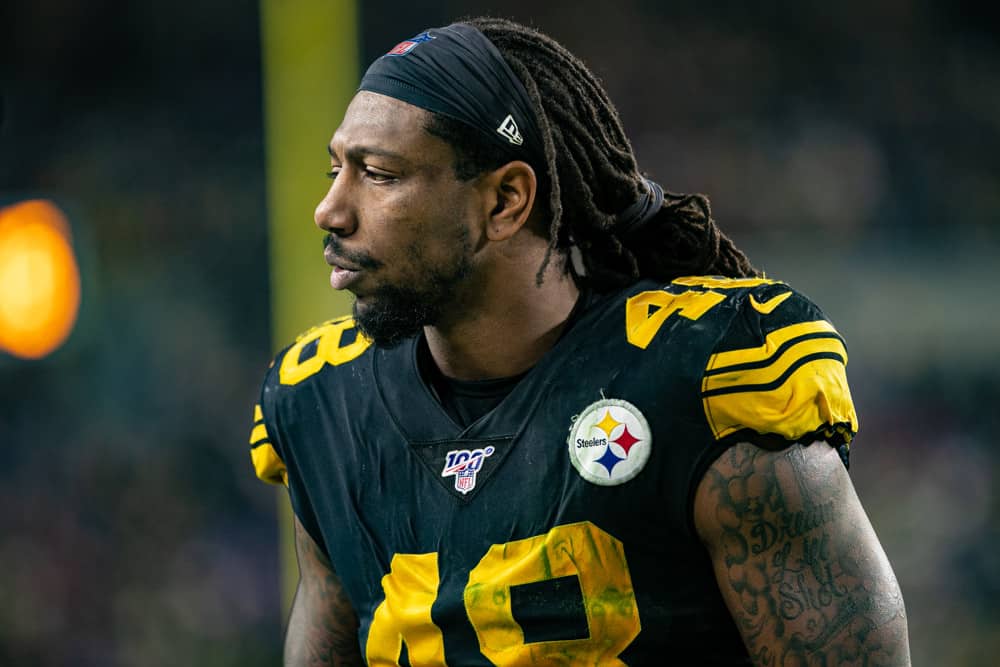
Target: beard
393, 313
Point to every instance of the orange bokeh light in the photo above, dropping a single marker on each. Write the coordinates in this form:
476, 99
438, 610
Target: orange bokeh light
39, 279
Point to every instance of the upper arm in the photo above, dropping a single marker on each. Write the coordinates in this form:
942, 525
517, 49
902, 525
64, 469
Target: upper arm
323, 627
797, 561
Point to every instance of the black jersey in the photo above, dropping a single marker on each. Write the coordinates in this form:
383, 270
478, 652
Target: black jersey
557, 528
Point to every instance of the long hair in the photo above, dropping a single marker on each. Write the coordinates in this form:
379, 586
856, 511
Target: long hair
590, 175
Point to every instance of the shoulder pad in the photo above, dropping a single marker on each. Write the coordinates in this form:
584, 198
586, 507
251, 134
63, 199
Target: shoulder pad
332, 343
778, 374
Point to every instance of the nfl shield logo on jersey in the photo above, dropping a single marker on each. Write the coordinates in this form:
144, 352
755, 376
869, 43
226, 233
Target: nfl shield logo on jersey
609, 442
464, 464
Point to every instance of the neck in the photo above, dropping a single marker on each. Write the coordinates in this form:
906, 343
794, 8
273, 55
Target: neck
507, 327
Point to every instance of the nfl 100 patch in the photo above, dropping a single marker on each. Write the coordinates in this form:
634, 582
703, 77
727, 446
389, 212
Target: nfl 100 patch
609, 442
464, 464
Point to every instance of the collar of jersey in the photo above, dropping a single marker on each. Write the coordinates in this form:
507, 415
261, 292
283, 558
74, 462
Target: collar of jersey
420, 418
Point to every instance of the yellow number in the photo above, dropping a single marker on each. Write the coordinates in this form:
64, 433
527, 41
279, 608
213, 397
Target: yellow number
580, 549
641, 326
328, 351
405, 614
724, 283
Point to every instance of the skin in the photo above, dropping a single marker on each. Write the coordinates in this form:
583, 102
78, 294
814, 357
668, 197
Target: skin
396, 200
796, 560
322, 628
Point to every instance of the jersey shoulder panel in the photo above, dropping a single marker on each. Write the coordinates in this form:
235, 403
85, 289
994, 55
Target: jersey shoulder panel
778, 373
314, 355
320, 351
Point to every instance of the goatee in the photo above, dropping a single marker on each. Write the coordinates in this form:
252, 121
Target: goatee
393, 313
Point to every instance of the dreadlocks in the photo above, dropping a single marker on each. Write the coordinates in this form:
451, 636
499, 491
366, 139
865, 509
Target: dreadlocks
591, 175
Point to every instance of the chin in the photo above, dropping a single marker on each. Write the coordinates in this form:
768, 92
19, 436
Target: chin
391, 313
388, 322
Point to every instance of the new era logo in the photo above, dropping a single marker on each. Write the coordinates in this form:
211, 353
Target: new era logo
508, 129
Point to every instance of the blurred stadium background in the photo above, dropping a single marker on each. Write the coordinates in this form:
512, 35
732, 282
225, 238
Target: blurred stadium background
850, 147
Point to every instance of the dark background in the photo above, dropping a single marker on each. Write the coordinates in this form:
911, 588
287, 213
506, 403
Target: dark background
850, 148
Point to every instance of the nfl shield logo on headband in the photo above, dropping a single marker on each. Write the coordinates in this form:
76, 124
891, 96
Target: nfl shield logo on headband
508, 129
403, 48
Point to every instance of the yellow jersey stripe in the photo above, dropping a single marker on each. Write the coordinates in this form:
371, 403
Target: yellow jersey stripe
721, 283
744, 387
258, 414
258, 434
268, 465
772, 342
812, 398
770, 373
778, 352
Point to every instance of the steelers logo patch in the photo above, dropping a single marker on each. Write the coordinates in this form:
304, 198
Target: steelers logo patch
609, 442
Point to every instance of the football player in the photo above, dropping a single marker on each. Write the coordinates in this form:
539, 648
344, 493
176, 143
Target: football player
569, 422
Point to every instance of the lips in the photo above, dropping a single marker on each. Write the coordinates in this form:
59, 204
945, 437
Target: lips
344, 274
337, 261
342, 278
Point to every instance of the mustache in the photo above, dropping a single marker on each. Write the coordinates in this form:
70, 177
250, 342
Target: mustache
358, 259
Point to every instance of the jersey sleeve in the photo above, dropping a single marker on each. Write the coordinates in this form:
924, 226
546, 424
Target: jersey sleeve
778, 375
265, 455
273, 461
285, 431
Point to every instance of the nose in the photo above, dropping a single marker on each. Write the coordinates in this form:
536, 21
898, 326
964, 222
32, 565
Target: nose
334, 213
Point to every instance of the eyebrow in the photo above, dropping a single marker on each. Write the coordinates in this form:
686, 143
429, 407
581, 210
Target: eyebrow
356, 153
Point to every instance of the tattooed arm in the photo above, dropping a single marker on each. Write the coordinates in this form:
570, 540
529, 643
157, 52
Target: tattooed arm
797, 560
322, 628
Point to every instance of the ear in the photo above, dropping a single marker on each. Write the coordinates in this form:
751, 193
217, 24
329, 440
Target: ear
510, 191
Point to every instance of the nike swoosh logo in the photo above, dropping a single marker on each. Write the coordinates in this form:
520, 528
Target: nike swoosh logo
768, 306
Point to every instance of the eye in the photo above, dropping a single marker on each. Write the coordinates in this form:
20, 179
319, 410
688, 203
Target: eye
378, 176
332, 174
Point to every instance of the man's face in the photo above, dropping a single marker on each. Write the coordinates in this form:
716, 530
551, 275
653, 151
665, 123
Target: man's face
401, 225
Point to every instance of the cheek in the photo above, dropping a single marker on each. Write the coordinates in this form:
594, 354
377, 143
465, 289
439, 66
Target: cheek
458, 215
423, 224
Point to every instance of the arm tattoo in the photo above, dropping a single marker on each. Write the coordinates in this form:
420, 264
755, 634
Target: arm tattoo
797, 561
322, 628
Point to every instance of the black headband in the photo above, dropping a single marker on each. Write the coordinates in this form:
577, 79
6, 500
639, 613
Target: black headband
642, 211
457, 72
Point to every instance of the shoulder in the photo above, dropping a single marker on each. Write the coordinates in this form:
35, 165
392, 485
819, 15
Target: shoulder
771, 365
711, 301
777, 373
732, 313
762, 308
319, 355
321, 349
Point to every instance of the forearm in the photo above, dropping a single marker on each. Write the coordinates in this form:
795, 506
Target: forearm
322, 629
322, 626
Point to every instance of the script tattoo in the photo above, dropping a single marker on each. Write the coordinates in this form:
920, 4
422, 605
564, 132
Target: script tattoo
322, 628
797, 562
